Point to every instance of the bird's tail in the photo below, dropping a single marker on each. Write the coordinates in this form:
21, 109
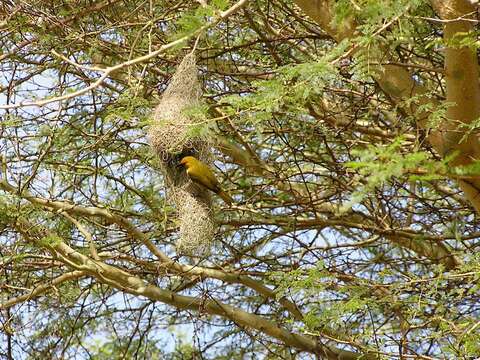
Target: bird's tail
227, 198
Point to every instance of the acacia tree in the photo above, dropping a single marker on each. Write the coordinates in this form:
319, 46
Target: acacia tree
345, 130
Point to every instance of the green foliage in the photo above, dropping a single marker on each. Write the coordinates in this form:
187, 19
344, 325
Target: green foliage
45, 130
292, 88
378, 164
192, 20
201, 124
299, 280
472, 169
50, 240
469, 129
11, 120
470, 341
69, 293
8, 211
219, 5
343, 12
334, 314
126, 348
462, 40
130, 107
437, 116
330, 313
371, 12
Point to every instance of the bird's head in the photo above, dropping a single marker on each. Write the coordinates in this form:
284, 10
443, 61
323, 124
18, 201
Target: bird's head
187, 161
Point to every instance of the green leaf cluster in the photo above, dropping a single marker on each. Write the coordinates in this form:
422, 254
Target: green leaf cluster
192, 20
378, 164
291, 88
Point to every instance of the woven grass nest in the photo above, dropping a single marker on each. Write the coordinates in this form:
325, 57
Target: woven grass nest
170, 136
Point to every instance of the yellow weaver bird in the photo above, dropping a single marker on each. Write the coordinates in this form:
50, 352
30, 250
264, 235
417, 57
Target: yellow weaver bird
201, 174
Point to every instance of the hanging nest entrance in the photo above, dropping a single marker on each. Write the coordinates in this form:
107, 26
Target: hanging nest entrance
171, 137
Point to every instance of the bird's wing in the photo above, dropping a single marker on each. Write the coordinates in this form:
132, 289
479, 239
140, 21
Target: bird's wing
203, 175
